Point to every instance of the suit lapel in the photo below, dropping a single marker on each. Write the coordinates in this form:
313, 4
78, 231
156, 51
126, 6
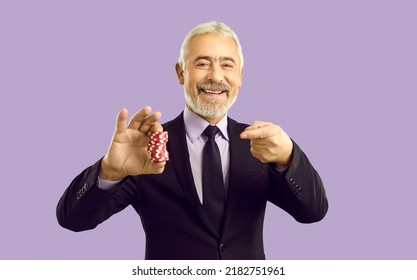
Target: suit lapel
238, 157
177, 148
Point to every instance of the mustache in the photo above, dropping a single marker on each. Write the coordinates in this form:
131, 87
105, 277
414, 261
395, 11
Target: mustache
213, 86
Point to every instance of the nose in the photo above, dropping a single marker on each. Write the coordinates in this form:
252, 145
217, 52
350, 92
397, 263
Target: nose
215, 74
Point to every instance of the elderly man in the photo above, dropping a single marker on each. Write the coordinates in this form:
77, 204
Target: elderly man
207, 201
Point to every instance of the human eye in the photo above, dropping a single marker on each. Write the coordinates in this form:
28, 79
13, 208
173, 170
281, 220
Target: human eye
228, 65
202, 64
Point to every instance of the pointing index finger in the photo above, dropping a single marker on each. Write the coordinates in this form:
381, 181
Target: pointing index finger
257, 130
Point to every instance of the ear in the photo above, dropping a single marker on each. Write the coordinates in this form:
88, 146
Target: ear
180, 73
241, 76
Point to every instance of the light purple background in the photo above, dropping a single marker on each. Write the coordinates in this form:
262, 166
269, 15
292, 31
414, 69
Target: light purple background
339, 76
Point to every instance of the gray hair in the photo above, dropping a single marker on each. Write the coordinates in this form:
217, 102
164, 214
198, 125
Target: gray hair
209, 27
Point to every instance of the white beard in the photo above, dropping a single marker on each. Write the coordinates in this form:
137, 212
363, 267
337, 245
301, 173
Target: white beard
212, 110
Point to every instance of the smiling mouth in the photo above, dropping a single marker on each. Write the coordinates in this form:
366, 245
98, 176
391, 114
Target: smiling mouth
212, 88
212, 91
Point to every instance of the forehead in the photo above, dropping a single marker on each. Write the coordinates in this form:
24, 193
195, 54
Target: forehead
212, 45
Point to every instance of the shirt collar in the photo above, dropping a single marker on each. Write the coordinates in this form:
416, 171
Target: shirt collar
195, 125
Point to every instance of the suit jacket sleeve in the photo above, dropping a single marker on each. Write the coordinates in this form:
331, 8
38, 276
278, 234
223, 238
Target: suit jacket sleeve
83, 205
299, 191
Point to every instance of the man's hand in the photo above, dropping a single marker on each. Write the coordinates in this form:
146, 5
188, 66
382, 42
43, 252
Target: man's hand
269, 143
127, 153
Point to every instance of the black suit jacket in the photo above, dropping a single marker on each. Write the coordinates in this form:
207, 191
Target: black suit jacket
175, 222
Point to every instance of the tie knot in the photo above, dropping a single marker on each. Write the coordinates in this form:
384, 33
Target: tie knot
211, 131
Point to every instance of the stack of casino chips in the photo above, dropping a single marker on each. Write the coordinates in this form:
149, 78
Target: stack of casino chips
157, 146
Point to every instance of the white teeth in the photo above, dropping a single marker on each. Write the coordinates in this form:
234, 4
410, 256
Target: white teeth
215, 92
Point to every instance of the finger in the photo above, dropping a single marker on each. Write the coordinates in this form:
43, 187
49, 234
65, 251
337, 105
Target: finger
256, 154
121, 121
138, 117
261, 155
149, 121
156, 127
258, 133
258, 144
158, 167
258, 124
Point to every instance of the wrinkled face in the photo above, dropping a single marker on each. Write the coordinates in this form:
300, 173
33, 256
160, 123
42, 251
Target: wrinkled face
211, 76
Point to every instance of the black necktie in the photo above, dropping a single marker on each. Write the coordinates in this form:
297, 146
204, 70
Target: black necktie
214, 194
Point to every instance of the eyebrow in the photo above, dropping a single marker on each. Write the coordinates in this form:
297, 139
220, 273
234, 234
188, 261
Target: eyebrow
222, 58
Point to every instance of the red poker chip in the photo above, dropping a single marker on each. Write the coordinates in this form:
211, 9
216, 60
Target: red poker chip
158, 152
157, 146
158, 135
160, 158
